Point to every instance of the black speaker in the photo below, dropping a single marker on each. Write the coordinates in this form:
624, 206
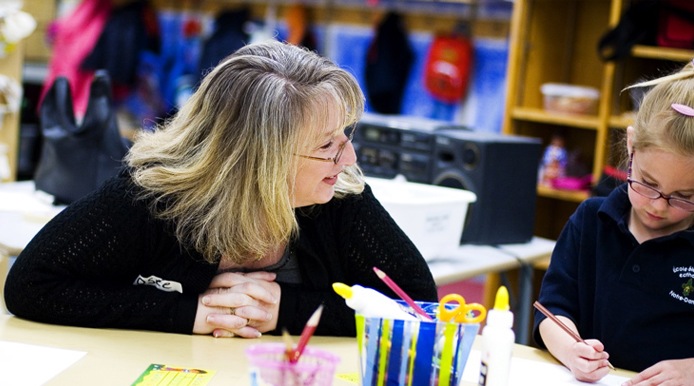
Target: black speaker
502, 171
390, 145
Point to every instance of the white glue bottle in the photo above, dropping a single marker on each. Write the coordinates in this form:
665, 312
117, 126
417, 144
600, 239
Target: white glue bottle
371, 303
497, 342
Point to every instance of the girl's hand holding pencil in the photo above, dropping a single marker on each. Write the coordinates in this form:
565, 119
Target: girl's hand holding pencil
589, 353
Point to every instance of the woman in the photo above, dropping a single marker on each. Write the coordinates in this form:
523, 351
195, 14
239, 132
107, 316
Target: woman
234, 218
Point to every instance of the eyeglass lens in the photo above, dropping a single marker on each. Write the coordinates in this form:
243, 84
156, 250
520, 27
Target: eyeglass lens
653, 194
341, 150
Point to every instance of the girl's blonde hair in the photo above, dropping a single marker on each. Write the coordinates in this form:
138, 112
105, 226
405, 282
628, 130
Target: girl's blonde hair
223, 168
657, 124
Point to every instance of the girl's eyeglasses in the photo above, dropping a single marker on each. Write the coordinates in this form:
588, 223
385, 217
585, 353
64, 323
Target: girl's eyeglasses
654, 194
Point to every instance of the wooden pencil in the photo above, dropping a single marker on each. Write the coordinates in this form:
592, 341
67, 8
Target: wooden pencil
307, 333
403, 295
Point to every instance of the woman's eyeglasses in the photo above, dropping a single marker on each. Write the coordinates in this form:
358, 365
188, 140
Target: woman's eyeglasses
340, 149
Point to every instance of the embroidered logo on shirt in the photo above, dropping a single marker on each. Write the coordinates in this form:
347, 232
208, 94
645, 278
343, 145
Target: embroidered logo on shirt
159, 283
687, 273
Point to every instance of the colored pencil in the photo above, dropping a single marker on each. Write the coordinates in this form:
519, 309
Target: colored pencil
563, 326
404, 296
306, 334
287, 339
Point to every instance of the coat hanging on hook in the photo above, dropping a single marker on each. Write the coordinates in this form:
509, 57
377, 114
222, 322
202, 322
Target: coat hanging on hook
388, 62
74, 36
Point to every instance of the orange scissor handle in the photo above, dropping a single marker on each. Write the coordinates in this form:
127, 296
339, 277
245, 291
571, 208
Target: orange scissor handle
461, 313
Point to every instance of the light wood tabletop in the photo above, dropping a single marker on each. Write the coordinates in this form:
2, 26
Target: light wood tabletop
119, 357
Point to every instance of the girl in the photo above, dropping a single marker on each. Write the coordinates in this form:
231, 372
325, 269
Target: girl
622, 271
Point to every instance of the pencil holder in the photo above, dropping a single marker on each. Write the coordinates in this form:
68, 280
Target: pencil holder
270, 367
418, 353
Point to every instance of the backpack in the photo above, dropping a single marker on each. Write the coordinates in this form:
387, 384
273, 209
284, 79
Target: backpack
448, 66
77, 158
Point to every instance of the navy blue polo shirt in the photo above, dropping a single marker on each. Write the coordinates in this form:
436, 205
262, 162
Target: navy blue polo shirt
638, 299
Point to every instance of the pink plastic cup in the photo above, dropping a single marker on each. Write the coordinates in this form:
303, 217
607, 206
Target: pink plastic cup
269, 366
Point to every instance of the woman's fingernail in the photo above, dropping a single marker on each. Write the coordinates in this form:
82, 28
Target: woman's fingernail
205, 300
258, 334
269, 317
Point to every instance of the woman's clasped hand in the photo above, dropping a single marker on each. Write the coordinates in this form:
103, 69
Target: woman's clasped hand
239, 304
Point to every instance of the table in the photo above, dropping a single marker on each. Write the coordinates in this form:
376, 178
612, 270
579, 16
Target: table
23, 212
538, 249
118, 357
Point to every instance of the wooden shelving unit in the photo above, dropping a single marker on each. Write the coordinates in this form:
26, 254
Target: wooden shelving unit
554, 41
11, 66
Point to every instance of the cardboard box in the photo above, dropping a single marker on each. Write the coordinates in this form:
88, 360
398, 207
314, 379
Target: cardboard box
431, 216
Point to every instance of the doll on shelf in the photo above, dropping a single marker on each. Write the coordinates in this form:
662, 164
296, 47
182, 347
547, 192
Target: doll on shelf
554, 160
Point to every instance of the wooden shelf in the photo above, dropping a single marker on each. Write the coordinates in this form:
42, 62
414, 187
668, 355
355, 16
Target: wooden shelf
541, 116
555, 41
566, 195
11, 66
662, 53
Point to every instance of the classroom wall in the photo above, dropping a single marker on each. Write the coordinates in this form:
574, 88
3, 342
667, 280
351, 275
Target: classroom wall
344, 34
482, 109
344, 29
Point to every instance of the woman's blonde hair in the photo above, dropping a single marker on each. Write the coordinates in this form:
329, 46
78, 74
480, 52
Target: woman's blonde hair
657, 123
223, 168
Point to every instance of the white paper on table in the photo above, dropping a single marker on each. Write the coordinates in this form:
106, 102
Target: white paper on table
27, 365
26, 202
541, 374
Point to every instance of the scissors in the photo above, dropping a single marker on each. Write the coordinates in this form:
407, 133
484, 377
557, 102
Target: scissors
462, 312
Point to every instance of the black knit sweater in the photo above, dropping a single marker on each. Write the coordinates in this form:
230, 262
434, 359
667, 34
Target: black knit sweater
83, 268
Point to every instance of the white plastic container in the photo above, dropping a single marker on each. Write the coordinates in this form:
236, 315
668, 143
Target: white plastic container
570, 99
431, 216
